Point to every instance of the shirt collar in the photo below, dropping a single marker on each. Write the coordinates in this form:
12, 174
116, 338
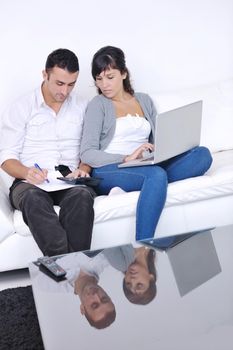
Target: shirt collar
40, 98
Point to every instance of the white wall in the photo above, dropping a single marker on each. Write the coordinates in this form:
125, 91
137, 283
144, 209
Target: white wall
168, 43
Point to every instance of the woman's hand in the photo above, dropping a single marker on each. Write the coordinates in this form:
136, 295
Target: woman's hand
138, 153
82, 171
78, 173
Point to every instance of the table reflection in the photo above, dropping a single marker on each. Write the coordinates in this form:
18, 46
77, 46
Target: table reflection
193, 258
83, 279
136, 291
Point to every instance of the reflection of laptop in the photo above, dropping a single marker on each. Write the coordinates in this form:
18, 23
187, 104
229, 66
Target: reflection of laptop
176, 131
194, 262
166, 243
193, 258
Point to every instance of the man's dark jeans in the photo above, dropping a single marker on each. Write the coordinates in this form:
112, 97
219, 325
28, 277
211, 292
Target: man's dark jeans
69, 231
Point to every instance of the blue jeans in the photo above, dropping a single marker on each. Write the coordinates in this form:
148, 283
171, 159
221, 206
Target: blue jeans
152, 181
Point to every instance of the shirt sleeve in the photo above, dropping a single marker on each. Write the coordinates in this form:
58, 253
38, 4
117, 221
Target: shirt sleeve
12, 134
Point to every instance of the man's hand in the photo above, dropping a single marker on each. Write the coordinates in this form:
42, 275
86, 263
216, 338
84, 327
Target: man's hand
35, 176
16, 169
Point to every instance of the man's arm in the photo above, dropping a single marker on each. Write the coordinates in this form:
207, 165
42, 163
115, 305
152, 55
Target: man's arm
16, 169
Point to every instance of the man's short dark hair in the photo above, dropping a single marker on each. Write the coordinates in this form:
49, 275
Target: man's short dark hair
106, 321
62, 58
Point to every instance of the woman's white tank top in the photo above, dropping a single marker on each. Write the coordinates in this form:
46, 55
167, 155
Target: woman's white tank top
130, 133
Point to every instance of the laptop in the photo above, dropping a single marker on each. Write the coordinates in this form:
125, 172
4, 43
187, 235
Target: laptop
176, 131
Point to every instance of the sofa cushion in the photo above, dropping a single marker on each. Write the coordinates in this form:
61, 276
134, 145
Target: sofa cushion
217, 182
217, 118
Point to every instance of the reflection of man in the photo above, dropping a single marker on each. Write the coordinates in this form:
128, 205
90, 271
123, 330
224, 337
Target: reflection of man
82, 277
96, 305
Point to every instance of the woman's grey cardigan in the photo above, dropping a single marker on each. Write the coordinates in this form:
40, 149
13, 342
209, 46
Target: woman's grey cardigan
99, 129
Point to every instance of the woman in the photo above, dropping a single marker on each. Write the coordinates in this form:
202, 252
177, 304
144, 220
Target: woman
118, 127
138, 267
139, 283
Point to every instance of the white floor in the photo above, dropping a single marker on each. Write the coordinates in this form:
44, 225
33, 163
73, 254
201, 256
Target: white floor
15, 278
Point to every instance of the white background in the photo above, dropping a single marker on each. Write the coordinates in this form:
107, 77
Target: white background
168, 44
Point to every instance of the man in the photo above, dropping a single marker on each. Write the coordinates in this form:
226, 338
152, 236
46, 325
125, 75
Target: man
82, 278
45, 127
96, 305
82, 273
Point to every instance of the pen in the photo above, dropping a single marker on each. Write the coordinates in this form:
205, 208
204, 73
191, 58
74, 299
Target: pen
39, 168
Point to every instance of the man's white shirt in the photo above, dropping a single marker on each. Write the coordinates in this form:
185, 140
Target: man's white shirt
33, 133
72, 264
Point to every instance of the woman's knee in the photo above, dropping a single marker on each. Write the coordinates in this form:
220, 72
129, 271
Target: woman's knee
204, 157
205, 153
159, 174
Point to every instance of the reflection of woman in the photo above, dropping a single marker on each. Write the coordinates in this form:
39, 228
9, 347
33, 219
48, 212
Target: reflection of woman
139, 284
138, 266
119, 127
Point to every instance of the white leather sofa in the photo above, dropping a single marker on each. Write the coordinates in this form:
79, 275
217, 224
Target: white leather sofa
192, 204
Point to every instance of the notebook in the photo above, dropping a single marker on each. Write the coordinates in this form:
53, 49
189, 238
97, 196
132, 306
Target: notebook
176, 131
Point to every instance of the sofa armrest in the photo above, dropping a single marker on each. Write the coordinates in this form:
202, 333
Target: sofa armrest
6, 216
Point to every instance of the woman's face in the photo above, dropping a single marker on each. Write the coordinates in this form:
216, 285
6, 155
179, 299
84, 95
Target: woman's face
137, 278
110, 82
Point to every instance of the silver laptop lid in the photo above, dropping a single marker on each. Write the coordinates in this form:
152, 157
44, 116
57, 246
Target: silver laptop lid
177, 131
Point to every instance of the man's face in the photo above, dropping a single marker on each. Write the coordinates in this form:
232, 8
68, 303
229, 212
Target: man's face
58, 83
95, 302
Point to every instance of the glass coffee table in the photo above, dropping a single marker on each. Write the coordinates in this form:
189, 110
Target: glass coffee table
141, 296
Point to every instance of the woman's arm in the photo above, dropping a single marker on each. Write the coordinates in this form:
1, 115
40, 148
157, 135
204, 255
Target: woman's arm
149, 111
99, 128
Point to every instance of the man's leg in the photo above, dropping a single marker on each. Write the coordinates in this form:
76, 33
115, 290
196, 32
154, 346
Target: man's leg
77, 216
38, 213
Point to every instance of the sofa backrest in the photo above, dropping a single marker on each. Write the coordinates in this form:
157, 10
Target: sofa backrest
217, 121
217, 118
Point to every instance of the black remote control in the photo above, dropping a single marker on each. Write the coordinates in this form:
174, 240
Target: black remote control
51, 265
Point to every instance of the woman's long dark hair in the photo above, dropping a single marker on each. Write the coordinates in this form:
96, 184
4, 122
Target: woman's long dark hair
111, 57
151, 292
